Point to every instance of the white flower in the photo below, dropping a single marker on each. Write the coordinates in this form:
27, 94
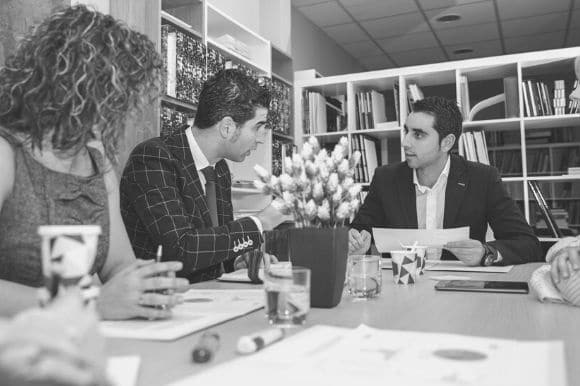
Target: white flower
338, 154
347, 183
318, 191
343, 167
354, 205
281, 206
288, 164
289, 199
262, 173
323, 211
343, 211
321, 157
304, 182
261, 186
332, 183
274, 183
297, 163
306, 152
323, 171
311, 168
354, 190
314, 143
286, 182
310, 209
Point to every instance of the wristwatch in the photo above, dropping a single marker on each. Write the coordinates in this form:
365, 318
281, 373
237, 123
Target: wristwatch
490, 256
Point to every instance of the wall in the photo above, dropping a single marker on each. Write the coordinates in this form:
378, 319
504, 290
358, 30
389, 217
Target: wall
312, 48
18, 16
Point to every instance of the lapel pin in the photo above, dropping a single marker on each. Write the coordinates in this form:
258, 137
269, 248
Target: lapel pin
461, 184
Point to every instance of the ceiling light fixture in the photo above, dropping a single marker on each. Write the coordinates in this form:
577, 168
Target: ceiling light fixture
448, 18
461, 51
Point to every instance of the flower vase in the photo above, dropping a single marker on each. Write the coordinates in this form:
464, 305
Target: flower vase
325, 252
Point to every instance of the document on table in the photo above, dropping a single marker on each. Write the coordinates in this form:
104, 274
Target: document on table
239, 276
452, 265
123, 370
331, 356
201, 309
390, 239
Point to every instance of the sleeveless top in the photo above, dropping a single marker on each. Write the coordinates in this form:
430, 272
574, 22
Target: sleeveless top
42, 196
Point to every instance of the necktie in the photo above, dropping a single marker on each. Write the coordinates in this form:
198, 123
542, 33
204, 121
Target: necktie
210, 179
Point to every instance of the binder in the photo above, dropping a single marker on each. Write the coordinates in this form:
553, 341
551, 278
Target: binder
546, 213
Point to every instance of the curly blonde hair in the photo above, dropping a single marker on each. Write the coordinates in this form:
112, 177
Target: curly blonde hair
78, 73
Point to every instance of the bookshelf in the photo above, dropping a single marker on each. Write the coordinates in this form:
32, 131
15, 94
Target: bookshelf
197, 38
491, 92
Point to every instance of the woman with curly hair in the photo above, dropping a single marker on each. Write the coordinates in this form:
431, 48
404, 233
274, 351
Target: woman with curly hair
75, 80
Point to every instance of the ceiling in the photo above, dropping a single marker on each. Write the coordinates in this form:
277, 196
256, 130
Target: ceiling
394, 33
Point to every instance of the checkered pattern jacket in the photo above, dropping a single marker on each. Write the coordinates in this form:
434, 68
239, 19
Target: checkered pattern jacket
162, 202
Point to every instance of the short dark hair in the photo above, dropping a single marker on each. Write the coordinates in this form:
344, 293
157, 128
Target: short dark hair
230, 93
446, 114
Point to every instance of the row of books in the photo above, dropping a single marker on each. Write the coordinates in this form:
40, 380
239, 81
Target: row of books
539, 101
552, 161
188, 63
323, 114
370, 110
172, 120
498, 138
367, 146
473, 146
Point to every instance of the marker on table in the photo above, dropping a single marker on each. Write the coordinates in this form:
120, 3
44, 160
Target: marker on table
206, 348
251, 343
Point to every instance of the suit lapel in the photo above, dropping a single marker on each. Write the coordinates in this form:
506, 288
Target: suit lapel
407, 198
179, 147
455, 191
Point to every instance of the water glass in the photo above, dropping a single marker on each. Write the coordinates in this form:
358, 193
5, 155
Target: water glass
287, 295
364, 277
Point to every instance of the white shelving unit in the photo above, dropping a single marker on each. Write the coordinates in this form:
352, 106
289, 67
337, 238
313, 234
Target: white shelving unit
485, 78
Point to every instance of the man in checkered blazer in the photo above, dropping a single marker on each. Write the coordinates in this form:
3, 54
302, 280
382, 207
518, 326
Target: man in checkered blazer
163, 188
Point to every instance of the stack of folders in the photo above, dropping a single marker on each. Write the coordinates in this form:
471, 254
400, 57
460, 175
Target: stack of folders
473, 146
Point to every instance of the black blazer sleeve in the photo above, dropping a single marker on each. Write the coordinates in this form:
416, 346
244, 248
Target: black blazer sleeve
514, 238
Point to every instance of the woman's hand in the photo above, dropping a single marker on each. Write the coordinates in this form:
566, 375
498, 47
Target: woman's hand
144, 289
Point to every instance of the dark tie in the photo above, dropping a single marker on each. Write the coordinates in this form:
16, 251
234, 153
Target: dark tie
210, 178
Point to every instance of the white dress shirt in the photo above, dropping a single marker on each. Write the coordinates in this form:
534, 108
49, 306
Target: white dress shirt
431, 203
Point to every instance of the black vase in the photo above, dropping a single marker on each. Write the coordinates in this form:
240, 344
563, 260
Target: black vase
325, 252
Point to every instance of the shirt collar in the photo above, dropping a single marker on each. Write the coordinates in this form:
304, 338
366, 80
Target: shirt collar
444, 174
199, 158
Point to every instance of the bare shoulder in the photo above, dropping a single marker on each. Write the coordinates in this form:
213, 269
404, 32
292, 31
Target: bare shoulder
7, 169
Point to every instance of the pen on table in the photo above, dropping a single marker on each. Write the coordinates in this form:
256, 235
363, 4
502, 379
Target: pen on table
248, 344
206, 347
159, 253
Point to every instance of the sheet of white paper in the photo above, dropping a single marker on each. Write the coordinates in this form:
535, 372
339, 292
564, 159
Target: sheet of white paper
240, 276
123, 370
390, 239
370, 356
452, 265
201, 309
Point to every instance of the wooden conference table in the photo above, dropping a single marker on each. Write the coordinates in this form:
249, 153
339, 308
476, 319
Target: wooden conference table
416, 307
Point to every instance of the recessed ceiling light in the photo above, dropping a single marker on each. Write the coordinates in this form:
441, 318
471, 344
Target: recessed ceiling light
461, 51
448, 18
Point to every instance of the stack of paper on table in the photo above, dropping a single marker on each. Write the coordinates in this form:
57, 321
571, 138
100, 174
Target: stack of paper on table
452, 265
365, 356
391, 239
201, 309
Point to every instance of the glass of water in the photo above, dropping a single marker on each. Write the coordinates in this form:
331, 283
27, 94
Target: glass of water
287, 295
364, 276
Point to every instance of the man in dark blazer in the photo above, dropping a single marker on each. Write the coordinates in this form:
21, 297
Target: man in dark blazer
433, 189
165, 196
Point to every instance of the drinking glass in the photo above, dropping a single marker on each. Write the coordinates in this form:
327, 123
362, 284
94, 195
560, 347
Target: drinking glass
287, 295
364, 276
